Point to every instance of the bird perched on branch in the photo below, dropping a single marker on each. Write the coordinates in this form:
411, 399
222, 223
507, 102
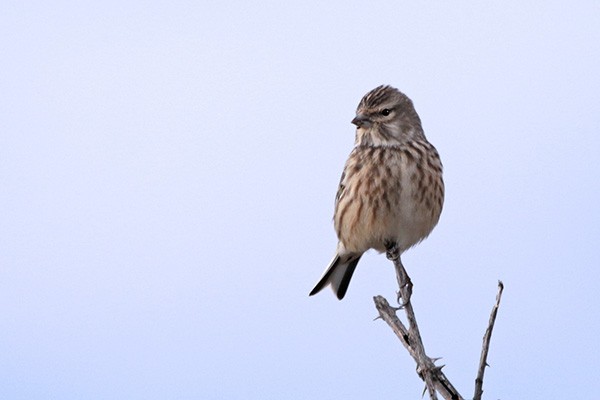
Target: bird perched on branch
391, 192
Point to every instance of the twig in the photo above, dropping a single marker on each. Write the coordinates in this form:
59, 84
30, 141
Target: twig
424, 363
486, 345
434, 378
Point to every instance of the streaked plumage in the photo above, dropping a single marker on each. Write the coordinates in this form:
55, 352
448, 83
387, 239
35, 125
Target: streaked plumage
391, 190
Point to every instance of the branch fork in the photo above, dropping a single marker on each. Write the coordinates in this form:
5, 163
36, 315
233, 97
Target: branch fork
435, 380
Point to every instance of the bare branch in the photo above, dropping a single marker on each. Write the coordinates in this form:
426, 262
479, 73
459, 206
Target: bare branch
434, 378
424, 363
486, 345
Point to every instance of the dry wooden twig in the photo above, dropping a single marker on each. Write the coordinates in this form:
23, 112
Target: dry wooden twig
435, 380
411, 342
486, 345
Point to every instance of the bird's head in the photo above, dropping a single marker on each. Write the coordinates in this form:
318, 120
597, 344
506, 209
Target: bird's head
386, 117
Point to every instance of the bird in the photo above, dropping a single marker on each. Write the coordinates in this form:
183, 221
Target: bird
391, 191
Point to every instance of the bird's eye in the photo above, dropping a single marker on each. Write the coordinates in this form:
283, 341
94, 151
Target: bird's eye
385, 112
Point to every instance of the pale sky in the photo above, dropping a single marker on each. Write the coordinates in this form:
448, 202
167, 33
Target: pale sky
168, 172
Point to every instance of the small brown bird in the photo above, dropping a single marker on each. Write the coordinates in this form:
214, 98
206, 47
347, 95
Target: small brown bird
391, 191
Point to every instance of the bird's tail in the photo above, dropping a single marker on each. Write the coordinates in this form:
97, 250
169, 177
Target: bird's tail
338, 275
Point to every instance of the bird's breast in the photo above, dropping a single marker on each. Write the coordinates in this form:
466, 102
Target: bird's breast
388, 193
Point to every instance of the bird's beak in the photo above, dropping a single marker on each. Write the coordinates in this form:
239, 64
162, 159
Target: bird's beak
361, 121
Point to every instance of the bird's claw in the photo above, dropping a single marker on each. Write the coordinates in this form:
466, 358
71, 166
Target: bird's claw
401, 303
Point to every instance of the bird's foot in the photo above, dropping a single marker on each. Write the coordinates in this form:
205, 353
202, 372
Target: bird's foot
391, 250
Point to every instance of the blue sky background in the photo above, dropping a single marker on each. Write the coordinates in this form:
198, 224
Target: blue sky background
168, 171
